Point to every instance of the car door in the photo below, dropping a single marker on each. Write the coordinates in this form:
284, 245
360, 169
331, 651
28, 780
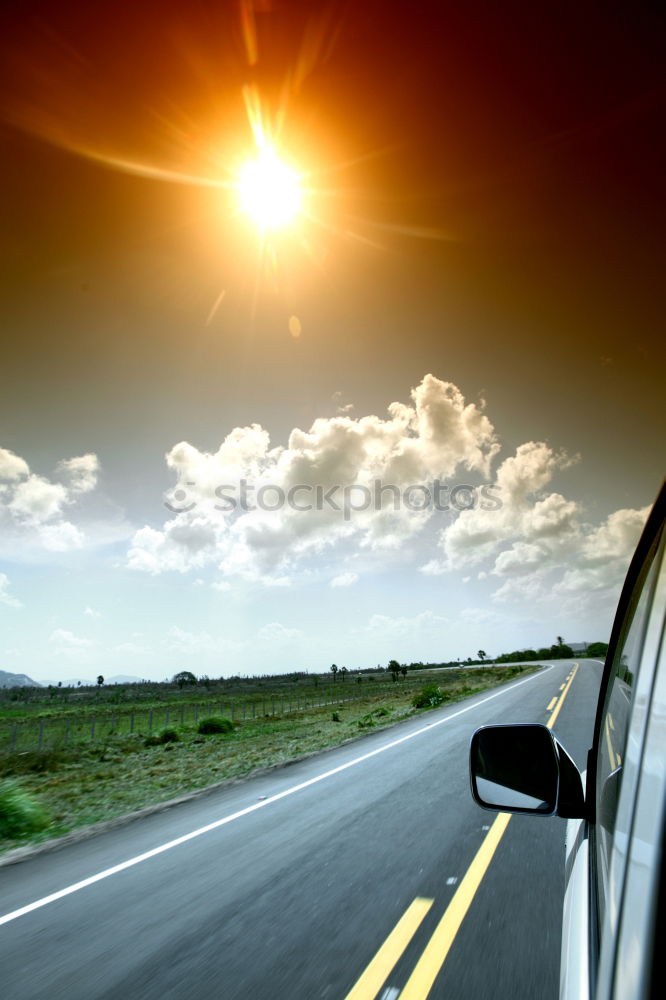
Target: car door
624, 766
615, 834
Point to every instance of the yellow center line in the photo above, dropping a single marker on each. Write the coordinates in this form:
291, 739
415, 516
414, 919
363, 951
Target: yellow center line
556, 710
562, 686
427, 968
609, 744
376, 974
429, 965
551, 703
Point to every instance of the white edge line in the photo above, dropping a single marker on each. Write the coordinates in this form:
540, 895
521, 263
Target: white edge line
68, 890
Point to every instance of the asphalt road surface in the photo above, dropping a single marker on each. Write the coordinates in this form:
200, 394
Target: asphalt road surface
363, 872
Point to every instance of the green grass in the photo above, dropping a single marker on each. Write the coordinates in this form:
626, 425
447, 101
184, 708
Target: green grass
20, 814
90, 782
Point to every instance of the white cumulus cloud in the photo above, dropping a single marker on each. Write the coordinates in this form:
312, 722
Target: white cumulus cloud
80, 473
12, 466
344, 580
5, 597
33, 508
316, 495
276, 632
519, 531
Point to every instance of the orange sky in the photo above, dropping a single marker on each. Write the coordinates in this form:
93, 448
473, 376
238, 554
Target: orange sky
487, 194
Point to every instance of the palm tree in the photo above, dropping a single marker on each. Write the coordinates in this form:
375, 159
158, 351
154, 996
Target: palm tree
334, 671
482, 654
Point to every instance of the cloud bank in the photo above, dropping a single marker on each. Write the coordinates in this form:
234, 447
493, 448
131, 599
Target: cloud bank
534, 543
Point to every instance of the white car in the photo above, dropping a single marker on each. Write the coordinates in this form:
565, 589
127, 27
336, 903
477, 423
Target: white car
615, 898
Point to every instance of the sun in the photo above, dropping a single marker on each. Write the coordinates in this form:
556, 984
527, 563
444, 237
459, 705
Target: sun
269, 191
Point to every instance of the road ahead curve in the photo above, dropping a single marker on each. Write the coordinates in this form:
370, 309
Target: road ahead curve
298, 884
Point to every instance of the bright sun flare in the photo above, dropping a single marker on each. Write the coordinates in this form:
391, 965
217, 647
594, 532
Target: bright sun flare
269, 191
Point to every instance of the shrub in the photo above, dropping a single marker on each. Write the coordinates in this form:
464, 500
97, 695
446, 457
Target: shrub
335, 717
165, 736
429, 696
19, 813
215, 724
366, 720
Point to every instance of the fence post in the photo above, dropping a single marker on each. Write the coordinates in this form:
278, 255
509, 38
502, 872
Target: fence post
233, 705
150, 721
196, 714
113, 721
182, 713
254, 709
131, 722
66, 737
92, 729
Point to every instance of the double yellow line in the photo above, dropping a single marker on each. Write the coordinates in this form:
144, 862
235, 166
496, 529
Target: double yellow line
427, 968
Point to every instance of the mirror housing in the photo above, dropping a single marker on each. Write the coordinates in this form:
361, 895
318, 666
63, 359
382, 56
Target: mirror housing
524, 769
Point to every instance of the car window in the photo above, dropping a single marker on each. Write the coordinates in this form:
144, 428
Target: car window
620, 740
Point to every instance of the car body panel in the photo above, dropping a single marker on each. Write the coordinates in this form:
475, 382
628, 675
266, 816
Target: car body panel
575, 957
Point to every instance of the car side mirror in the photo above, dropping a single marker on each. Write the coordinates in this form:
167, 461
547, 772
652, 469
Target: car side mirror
524, 769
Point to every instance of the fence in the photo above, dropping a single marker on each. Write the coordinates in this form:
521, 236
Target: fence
95, 727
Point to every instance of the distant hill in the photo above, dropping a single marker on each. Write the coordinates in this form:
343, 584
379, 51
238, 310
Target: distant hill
8, 680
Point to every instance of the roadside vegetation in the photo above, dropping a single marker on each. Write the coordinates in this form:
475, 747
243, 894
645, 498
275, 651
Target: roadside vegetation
63, 787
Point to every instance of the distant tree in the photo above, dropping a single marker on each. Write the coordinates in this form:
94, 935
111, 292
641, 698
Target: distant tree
597, 649
334, 670
394, 669
482, 654
183, 677
343, 673
59, 684
100, 680
403, 670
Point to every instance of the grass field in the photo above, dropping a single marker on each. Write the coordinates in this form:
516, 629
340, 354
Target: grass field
89, 781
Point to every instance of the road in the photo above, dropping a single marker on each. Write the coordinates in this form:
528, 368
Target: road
297, 889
